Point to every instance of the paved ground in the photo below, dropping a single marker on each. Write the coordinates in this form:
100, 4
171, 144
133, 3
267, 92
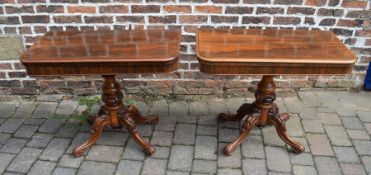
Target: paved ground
335, 128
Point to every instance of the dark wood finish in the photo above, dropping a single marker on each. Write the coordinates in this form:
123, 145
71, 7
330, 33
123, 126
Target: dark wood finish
106, 53
269, 53
272, 52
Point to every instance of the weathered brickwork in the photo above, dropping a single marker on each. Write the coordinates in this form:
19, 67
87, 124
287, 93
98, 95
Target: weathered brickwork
30, 19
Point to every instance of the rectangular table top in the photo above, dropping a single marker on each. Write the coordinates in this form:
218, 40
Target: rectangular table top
102, 49
272, 51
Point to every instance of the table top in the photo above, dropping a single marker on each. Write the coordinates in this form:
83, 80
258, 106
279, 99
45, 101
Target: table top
93, 49
288, 48
257, 45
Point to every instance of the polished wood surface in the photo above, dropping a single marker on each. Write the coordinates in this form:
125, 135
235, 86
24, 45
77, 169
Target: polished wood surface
273, 52
103, 52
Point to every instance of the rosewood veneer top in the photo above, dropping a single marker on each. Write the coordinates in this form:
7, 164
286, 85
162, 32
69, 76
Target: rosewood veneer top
103, 52
257, 51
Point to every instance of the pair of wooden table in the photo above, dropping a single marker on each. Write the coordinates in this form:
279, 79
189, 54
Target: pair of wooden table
220, 51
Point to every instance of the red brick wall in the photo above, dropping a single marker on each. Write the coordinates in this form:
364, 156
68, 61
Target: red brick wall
348, 19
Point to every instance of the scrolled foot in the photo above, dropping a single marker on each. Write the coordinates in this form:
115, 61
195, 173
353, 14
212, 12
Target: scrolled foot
229, 149
133, 111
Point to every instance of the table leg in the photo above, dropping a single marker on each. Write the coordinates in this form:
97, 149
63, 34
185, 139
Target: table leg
115, 114
260, 113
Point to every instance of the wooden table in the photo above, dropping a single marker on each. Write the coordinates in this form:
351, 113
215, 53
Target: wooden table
106, 53
269, 53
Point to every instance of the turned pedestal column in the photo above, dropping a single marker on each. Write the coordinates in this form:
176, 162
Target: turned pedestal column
260, 113
116, 115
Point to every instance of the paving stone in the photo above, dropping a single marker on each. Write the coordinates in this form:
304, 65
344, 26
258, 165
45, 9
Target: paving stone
105, 153
9, 173
181, 158
206, 130
229, 171
363, 99
276, 173
301, 159
34, 121
216, 106
228, 135
185, 134
346, 154
2, 120
71, 161
345, 112
368, 127
364, 116
277, 159
279, 101
206, 147
327, 165
129, 167
325, 109
198, 108
178, 108
252, 147
338, 136
233, 104
11, 125
133, 151
154, 166
170, 172
319, 144
25, 109
7, 109
68, 131
5, 160
51, 126
232, 161
42, 168
113, 138
294, 127
309, 98
96, 168
161, 138
352, 123
13, 145
329, 118
204, 166
233, 125
313, 126
55, 149
161, 152
208, 120
78, 140
347, 99
25, 131
145, 130
304, 170
4, 138
166, 124
159, 108
24, 160
271, 137
254, 167
328, 99
352, 169
366, 160
39, 140
142, 107
309, 113
64, 171
362, 147
66, 107
293, 104
44, 110
358, 134
53, 98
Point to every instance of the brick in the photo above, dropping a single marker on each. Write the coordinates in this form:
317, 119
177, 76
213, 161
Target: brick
319, 144
19, 9
24, 160
226, 1
269, 10
145, 9
330, 12
208, 9
114, 9
333, 3
315, 2
70, 161
358, 14
206, 148
327, 165
204, 166
177, 9
55, 149
224, 19
98, 19
309, 20
238, 10
185, 134
256, 20
10, 83
41, 167
105, 153
50, 9
64, 1
36, 19
354, 4
129, 167
301, 10
5, 160
349, 23
277, 159
133, 19
96, 168
162, 19
307, 170
342, 32
254, 166
9, 20
194, 19
286, 20
181, 158
5, 66
327, 22
288, 2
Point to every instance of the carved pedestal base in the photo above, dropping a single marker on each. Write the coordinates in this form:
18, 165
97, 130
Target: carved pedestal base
115, 114
260, 113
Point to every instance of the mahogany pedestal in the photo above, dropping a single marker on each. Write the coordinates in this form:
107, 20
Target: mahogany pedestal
116, 115
263, 111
